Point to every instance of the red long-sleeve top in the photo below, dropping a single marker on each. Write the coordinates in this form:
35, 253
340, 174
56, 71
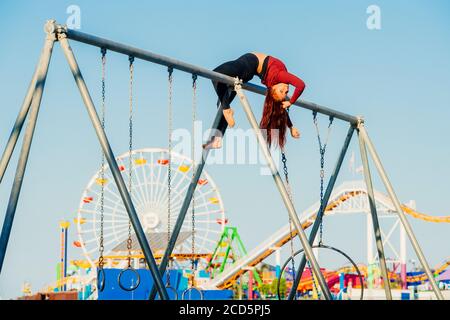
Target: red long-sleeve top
277, 72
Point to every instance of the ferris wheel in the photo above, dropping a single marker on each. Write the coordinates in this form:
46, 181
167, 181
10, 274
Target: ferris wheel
150, 196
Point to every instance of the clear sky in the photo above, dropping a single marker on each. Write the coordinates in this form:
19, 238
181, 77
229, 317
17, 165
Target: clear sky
397, 77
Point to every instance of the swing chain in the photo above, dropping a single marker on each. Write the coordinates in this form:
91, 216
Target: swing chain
194, 108
285, 170
102, 174
322, 176
130, 164
322, 150
169, 169
291, 232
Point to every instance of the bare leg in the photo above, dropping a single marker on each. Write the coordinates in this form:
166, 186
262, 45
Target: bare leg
215, 143
228, 114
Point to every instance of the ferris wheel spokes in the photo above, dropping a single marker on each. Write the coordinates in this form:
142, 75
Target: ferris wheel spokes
149, 183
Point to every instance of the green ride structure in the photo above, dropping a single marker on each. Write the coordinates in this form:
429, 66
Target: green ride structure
229, 249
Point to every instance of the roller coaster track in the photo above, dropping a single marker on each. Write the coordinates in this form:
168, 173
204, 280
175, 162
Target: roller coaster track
341, 195
307, 281
421, 277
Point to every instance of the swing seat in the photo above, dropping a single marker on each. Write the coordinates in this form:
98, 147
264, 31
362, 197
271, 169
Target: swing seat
202, 182
140, 161
88, 199
121, 168
184, 168
163, 162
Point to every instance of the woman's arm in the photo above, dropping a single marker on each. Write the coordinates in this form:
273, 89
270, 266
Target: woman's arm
289, 78
289, 122
294, 131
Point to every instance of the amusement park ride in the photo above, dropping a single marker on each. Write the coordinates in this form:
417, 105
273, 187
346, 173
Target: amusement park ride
148, 190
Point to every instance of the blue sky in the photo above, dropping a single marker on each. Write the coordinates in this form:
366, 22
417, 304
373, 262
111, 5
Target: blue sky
398, 78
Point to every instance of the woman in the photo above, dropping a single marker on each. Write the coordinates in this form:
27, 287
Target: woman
274, 75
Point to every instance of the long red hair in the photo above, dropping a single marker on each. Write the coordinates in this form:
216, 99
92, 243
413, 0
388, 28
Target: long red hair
274, 117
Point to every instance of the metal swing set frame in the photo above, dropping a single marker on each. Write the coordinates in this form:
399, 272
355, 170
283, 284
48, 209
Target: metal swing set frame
31, 104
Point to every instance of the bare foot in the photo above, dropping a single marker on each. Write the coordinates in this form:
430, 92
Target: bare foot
228, 114
216, 143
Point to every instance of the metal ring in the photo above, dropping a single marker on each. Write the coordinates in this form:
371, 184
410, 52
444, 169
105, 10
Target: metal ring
138, 277
175, 292
101, 284
361, 280
190, 289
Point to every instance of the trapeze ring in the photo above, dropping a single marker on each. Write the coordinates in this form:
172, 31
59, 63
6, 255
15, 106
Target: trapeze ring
175, 292
361, 280
190, 289
101, 284
138, 278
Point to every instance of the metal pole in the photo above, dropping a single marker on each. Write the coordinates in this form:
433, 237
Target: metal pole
187, 201
26, 145
369, 239
403, 257
20, 120
327, 195
282, 189
401, 214
186, 67
375, 222
113, 165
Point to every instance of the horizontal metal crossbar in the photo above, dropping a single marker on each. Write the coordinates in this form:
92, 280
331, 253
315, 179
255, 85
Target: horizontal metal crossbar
189, 68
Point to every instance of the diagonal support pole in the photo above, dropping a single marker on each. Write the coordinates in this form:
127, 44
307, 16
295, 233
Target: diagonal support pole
187, 201
113, 165
375, 222
20, 120
319, 216
34, 96
282, 189
398, 208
